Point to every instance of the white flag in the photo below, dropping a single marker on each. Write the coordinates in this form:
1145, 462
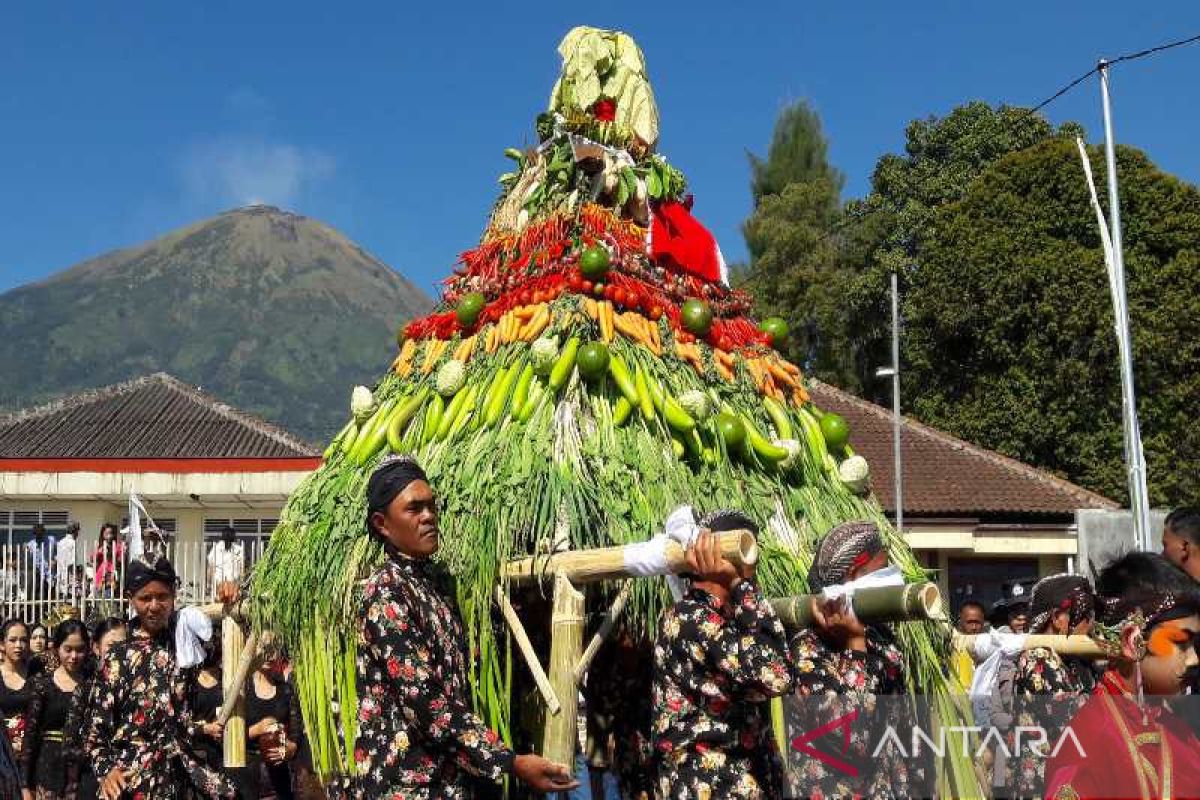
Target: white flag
136, 509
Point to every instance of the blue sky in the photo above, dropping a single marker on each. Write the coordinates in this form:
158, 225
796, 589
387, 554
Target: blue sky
120, 121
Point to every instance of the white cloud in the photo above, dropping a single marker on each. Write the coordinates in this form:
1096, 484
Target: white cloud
241, 170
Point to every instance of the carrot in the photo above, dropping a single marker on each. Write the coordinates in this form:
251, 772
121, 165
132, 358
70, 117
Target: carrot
493, 338
525, 313
606, 320
780, 374
724, 371
536, 325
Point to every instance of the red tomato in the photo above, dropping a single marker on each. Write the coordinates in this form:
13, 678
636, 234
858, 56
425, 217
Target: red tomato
586, 287
656, 313
620, 296
724, 344
610, 292
523, 297
538, 297
575, 281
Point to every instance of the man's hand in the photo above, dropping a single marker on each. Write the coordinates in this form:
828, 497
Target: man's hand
714, 573
214, 730
113, 784
543, 776
837, 623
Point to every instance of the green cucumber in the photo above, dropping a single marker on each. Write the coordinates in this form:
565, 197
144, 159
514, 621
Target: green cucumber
779, 418
622, 412
521, 393
643, 392
400, 417
565, 365
496, 409
433, 418
620, 373
451, 414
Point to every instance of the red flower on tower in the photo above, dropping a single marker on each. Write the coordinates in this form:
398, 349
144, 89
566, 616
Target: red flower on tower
605, 110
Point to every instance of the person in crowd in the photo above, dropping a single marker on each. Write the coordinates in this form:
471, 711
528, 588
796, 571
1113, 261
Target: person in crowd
205, 696
137, 728
10, 579
39, 639
1048, 687
620, 716
107, 632
42, 549
720, 656
14, 683
48, 768
226, 559
844, 666
417, 735
1010, 614
1181, 539
972, 620
64, 559
1130, 741
107, 560
274, 729
42, 657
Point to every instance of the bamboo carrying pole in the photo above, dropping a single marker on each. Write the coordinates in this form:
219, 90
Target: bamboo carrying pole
608, 563
526, 647
241, 672
561, 734
606, 626
1082, 646
907, 603
232, 644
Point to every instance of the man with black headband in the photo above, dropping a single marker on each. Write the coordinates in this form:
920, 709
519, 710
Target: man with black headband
1130, 741
137, 731
719, 658
417, 735
842, 666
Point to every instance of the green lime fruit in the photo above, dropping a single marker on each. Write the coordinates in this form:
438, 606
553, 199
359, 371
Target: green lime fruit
592, 360
836, 431
732, 430
697, 316
470, 305
776, 328
593, 263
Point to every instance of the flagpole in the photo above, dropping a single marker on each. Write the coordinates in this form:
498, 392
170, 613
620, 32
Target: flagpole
1135, 460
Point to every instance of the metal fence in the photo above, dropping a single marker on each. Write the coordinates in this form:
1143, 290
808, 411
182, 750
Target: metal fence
35, 588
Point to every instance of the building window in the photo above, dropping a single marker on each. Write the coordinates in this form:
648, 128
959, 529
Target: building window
252, 532
16, 527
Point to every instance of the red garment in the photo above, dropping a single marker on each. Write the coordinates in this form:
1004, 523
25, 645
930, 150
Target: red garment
1110, 729
678, 241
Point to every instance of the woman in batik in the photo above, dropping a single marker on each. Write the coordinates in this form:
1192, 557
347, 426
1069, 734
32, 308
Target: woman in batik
1127, 741
108, 632
136, 733
1047, 688
719, 658
417, 737
49, 770
850, 675
14, 682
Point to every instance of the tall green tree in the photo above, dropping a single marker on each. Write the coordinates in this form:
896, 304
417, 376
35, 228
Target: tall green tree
885, 231
1008, 338
797, 205
799, 152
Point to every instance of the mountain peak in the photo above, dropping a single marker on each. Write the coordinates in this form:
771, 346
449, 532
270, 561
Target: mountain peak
272, 311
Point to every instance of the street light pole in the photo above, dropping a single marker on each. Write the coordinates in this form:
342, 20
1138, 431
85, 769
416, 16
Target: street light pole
894, 372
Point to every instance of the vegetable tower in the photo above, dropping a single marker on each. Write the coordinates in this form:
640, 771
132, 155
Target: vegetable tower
586, 371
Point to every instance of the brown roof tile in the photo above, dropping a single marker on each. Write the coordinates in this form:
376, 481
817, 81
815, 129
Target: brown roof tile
155, 416
944, 475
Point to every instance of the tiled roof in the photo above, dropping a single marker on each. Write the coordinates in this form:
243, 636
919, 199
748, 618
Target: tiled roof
152, 417
944, 475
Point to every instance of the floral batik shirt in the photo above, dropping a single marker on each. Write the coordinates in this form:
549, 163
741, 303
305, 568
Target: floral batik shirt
841, 688
417, 736
1046, 694
716, 667
138, 720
